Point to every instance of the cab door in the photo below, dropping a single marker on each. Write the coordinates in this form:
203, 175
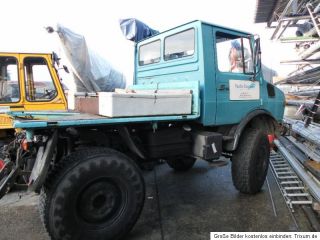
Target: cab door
42, 89
236, 90
10, 86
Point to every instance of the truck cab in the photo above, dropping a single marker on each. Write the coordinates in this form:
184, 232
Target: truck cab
29, 82
200, 51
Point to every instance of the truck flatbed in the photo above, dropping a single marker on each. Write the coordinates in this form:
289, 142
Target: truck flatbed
68, 118
71, 119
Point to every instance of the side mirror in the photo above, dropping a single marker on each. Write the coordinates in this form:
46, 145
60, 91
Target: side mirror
55, 59
256, 57
49, 29
65, 68
257, 54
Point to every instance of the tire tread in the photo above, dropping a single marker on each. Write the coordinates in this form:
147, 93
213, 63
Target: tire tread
242, 166
72, 160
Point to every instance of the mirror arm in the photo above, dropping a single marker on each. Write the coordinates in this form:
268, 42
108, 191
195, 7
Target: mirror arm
257, 58
254, 67
254, 74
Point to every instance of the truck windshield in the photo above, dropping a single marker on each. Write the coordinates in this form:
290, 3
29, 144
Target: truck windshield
9, 85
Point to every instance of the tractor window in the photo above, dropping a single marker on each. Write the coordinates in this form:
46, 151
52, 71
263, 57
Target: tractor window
149, 53
9, 84
38, 80
233, 53
179, 45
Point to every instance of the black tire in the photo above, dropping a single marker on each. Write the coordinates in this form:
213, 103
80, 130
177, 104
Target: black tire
250, 161
92, 194
181, 163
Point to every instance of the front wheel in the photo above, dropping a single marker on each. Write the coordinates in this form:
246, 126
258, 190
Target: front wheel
92, 194
250, 161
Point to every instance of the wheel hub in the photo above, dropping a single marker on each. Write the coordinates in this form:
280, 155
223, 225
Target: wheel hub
99, 202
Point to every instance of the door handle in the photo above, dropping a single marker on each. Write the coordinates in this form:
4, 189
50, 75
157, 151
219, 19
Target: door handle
223, 87
17, 106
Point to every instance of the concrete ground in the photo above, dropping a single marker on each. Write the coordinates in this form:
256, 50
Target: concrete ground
178, 206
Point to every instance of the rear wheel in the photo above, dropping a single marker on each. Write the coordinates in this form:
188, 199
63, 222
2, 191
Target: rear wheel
92, 194
181, 163
250, 161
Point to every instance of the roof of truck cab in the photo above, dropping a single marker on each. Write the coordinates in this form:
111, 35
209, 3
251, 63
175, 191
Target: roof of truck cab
201, 22
224, 27
26, 52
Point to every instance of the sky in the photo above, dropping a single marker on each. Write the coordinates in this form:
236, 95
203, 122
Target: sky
23, 23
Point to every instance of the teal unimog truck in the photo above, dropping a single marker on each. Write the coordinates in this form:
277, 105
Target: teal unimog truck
86, 166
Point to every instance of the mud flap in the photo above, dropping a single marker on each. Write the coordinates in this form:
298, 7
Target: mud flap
42, 163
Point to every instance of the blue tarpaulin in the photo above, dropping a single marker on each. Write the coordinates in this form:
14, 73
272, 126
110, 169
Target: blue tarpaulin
135, 30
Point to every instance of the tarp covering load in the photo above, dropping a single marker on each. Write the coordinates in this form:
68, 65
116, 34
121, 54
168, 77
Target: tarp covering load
91, 72
135, 30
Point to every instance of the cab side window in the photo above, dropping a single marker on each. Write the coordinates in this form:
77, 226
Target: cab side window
179, 45
38, 80
234, 53
9, 84
149, 53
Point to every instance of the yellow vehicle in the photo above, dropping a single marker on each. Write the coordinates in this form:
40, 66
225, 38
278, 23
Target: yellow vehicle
29, 82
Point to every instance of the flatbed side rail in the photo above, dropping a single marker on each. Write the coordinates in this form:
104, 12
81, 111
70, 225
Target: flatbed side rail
47, 119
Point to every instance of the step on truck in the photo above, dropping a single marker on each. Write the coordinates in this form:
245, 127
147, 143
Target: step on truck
86, 167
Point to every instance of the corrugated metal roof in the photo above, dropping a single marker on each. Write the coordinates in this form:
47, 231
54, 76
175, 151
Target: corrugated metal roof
264, 10
267, 10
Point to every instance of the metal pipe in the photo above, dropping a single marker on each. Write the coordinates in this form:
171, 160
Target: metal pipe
295, 62
312, 133
299, 155
283, 14
301, 76
284, 28
273, 14
313, 18
317, 8
276, 30
313, 187
302, 92
298, 39
310, 51
313, 154
304, 17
